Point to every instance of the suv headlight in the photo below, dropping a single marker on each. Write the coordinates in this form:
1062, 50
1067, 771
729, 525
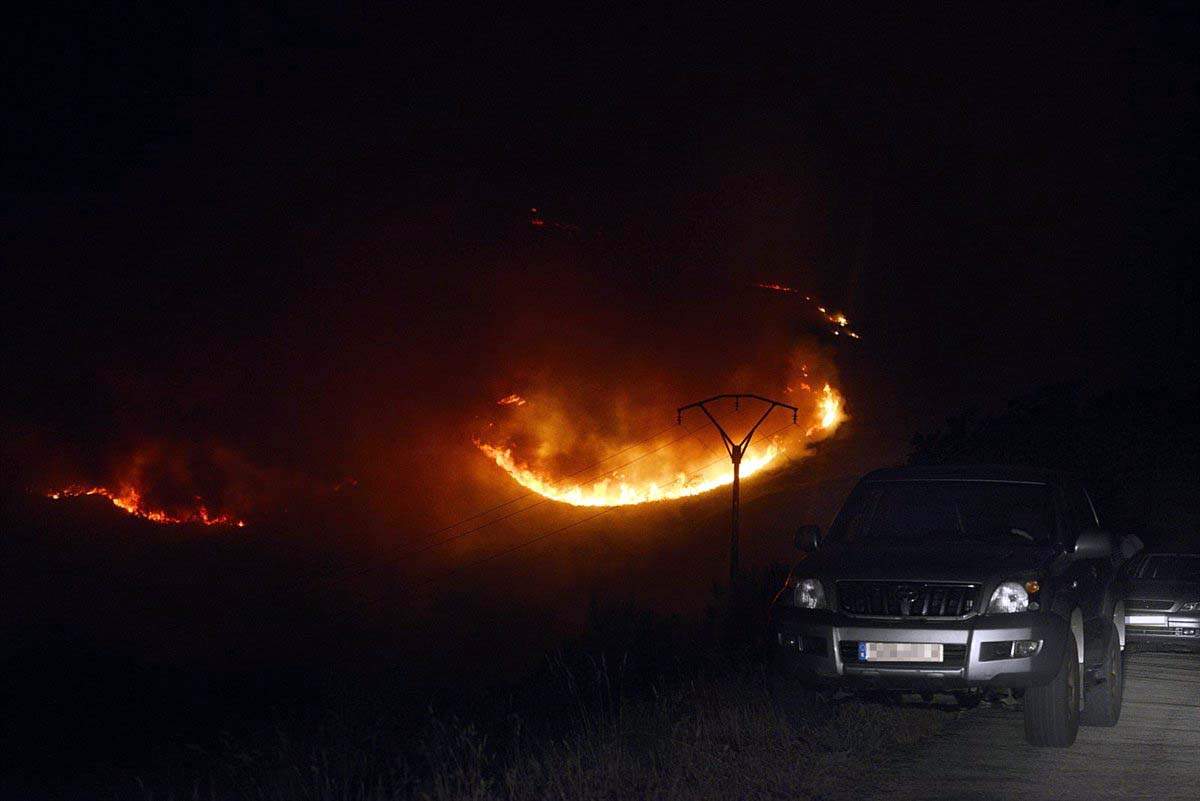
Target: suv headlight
805, 593
1010, 596
1191, 606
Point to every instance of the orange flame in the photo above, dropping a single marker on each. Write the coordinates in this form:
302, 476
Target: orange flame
512, 400
777, 288
829, 410
130, 500
667, 482
837, 318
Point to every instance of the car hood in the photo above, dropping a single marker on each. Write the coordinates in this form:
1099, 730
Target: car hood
943, 561
1159, 590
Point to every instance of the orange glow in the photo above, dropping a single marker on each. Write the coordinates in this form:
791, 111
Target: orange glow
829, 409
777, 288
512, 400
128, 499
675, 472
837, 318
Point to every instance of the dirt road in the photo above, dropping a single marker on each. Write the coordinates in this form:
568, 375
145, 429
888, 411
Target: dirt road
1153, 752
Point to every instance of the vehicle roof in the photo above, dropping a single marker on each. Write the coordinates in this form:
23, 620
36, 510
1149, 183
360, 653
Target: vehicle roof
970, 472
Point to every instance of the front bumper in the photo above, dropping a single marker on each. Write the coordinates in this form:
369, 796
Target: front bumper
798, 634
1172, 628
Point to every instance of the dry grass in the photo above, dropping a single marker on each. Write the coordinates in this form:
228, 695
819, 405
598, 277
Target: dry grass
711, 738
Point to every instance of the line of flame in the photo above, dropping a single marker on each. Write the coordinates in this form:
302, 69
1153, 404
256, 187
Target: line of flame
837, 318
616, 492
613, 491
130, 500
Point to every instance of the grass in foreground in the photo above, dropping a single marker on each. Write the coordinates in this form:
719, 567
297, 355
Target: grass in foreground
716, 737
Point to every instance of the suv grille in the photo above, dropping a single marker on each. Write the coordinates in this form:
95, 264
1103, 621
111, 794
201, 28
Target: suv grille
907, 599
1149, 606
953, 655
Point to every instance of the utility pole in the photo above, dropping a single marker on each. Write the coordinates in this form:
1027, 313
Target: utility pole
736, 451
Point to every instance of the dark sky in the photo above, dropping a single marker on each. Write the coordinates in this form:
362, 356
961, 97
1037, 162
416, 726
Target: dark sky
307, 233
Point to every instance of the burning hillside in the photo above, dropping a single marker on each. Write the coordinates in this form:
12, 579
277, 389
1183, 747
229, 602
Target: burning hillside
838, 319
130, 500
658, 468
181, 484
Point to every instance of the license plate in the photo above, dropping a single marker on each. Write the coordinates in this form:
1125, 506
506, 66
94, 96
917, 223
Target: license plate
1146, 620
899, 652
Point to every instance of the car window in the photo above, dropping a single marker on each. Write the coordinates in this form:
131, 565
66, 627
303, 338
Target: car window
916, 511
1171, 567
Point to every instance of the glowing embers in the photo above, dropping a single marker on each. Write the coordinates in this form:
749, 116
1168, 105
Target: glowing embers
840, 322
128, 499
669, 470
512, 400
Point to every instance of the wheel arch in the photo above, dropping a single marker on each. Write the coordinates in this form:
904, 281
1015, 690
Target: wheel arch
1119, 622
1077, 630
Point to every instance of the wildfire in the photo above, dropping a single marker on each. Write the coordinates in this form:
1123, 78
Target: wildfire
512, 400
829, 410
130, 500
782, 288
662, 482
838, 319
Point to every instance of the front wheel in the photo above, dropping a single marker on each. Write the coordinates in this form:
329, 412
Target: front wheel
1052, 711
1102, 700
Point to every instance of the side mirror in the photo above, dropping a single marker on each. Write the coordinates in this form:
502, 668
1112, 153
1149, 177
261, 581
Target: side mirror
1093, 543
808, 538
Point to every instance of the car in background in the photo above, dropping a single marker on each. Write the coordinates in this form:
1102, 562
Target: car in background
1162, 601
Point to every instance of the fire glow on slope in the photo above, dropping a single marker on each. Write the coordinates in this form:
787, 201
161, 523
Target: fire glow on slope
681, 482
840, 321
128, 499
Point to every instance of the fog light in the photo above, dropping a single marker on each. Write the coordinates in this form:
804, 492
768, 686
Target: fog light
1025, 647
1008, 649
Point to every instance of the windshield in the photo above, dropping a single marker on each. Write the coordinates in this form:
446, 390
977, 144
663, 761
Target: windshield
918, 511
1176, 567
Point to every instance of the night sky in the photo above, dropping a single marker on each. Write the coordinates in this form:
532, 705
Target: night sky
305, 234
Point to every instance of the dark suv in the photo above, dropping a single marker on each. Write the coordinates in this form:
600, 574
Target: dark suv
956, 579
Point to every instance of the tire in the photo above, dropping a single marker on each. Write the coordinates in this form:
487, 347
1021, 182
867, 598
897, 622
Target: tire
1102, 699
1052, 711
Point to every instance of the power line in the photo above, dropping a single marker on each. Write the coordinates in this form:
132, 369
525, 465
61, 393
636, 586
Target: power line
552, 532
321, 575
524, 495
428, 546
518, 547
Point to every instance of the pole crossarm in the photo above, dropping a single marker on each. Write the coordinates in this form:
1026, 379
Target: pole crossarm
736, 450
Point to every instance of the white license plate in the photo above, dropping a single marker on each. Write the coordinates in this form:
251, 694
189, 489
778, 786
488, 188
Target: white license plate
899, 652
1146, 620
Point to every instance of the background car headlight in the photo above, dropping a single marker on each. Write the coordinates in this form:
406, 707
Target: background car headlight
1010, 596
808, 594
1191, 606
